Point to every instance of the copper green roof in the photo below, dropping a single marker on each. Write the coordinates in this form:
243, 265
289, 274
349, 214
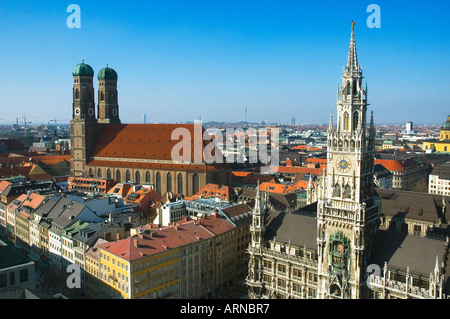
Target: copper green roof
83, 69
446, 125
107, 74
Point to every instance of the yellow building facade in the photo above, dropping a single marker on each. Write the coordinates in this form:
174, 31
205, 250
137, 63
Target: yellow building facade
443, 145
138, 274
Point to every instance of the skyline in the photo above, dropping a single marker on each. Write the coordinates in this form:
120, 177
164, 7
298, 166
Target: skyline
215, 58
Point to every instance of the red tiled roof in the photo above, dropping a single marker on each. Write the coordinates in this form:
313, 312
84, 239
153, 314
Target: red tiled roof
297, 170
33, 200
275, 188
160, 240
316, 160
144, 141
397, 165
212, 190
3, 185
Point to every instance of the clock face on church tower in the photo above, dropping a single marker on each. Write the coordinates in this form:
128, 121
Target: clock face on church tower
343, 164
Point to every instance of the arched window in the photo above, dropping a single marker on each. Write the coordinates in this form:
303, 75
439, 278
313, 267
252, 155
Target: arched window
77, 94
91, 173
158, 182
346, 121
147, 177
195, 183
102, 96
355, 120
169, 182
99, 173
337, 191
348, 88
354, 92
118, 176
347, 191
137, 177
108, 174
180, 183
127, 176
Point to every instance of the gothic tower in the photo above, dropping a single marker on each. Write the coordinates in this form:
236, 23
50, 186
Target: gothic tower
83, 126
257, 230
108, 107
347, 210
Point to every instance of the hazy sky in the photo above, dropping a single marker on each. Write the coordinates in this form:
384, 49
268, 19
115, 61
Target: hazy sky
179, 59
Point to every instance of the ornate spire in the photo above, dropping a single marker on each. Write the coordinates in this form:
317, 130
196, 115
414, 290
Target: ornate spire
352, 61
330, 125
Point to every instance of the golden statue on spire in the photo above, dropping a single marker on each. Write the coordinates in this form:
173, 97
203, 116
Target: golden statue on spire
353, 24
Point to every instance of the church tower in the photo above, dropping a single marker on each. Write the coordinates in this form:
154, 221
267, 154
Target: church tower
108, 107
255, 280
83, 126
347, 209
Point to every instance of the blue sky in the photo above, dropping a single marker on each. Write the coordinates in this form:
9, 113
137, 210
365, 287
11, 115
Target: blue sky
179, 59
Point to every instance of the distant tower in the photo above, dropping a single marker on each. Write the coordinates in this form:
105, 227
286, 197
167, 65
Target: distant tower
245, 114
409, 127
83, 126
108, 107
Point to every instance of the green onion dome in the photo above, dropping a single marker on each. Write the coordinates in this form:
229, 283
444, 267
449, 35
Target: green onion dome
107, 74
83, 69
446, 125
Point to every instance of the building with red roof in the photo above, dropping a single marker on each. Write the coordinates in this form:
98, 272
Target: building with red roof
169, 156
189, 259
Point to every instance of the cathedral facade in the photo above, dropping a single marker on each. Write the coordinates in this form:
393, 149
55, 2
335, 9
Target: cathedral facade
103, 147
335, 247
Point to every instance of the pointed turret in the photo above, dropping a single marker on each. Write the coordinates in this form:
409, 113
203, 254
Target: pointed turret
330, 125
352, 61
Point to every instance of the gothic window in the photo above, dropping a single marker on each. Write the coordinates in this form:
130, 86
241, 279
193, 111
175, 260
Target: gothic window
158, 182
169, 182
147, 177
347, 191
77, 94
91, 173
195, 183
108, 174
137, 177
102, 96
352, 145
337, 191
118, 176
127, 176
355, 120
346, 118
99, 173
180, 183
347, 88
354, 92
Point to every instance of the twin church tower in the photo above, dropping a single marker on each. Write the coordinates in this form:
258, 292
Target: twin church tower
85, 124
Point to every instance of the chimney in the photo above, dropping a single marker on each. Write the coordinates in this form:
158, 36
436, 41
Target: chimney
117, 236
